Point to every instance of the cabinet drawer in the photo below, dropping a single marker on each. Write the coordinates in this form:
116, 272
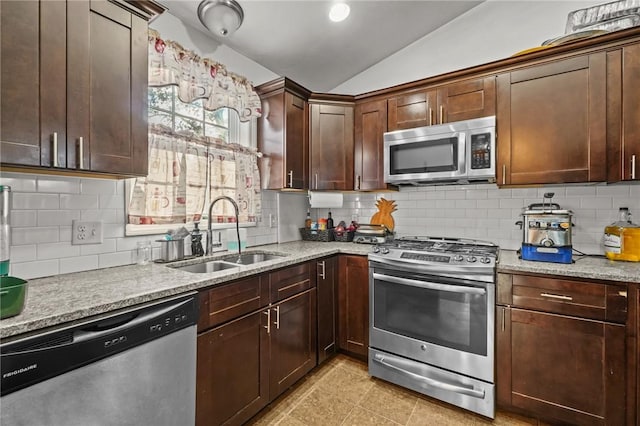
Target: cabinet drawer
569, 297
229, 301
289, 281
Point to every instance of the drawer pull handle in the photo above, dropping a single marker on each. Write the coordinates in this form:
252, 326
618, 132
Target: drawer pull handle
55, 149
290, 178
556, 296
622, 293
277, 323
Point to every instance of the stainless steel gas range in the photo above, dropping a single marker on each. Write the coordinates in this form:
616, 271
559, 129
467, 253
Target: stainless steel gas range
432, 304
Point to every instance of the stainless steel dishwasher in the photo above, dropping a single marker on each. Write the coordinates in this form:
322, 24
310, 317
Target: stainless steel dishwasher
134, 367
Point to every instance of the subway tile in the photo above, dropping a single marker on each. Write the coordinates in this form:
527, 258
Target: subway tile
18, 182
121, 186
59, 185
108, 246
26, 253
499, 193
24, 218
510, 203
581, 191
57, 217
105, 215
445, 204
99, 186
455, 195
78, 264
596, 203
113, 230
80, 202
57, 250
613, 190
120, 258
524, 193
22, 236
466, 204
558, 191
38, 269
111, 202
476, 194
29, 201
436, 195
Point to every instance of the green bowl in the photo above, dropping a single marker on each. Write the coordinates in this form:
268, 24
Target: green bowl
12, 294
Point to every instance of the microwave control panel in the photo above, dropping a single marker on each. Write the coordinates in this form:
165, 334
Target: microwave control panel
481, 151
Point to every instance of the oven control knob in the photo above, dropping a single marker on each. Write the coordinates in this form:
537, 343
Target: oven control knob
458, 258
423, 347
384, 250
471, 259
485, 260
376, 249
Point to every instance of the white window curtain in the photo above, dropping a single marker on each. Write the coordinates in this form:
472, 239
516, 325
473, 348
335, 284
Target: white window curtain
182, 168
200, 78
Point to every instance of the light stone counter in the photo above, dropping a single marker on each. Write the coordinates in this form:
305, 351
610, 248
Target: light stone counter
584, 267
69, 297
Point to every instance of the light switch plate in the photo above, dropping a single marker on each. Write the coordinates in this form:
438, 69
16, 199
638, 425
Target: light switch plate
86, 232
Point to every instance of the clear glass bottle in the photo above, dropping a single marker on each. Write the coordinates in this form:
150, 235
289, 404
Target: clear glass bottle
5, 229
622, 238
307, 222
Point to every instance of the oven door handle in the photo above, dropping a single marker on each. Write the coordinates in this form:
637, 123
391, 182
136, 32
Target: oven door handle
431, 382
430, 285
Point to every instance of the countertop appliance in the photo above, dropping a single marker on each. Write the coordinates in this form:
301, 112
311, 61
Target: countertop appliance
432, 303
546, 232
134, 367
460, 151
368, 233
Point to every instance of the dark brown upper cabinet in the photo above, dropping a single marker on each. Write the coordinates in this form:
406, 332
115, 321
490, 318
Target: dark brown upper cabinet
463, 100
331, 144
623, 114
77, 98
370, 125
283, 135
551, 124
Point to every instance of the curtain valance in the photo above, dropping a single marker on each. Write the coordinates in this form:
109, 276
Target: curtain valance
200, 78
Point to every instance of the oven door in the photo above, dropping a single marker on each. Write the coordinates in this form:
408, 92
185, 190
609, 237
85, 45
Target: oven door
444, 322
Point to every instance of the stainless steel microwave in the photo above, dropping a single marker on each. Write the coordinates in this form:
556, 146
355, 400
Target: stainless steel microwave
462, 151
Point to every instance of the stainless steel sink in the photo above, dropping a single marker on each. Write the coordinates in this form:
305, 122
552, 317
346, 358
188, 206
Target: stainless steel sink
211, 266
251, 257
229, 261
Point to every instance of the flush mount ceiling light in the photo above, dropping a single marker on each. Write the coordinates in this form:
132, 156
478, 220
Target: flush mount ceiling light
221, 17
339, 12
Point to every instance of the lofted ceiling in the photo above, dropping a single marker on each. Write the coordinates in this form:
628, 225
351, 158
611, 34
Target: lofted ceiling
296, 39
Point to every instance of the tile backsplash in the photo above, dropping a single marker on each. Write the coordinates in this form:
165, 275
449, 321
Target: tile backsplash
43, 208
482, 211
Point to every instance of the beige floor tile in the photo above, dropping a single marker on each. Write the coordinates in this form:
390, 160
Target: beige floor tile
290, 421
322, 409
432, 413
389, 401
355, 366
361, 417
345, 383
266, 417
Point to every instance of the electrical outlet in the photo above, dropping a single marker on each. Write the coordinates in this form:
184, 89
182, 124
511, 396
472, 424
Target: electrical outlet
86, 232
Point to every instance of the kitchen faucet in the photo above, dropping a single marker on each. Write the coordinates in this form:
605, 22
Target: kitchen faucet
210, 231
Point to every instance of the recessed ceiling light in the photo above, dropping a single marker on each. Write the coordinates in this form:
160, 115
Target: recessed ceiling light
339, 12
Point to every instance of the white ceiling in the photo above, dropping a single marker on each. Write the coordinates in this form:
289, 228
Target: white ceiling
296, 39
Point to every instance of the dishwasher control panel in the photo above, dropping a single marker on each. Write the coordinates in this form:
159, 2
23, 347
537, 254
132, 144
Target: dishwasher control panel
36, 358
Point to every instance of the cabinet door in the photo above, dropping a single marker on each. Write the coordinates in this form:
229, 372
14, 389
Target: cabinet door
467, 99
353, 304
33, 104
552, 122
503, 356
566, 368
283, 141
413, 110
623, 114
233, 371
370, 125
293, 340
327, 279
108, 103
331, 147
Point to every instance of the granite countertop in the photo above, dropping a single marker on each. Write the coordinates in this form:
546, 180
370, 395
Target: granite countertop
70, 297
599, 268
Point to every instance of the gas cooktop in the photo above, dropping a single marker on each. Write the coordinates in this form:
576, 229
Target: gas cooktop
444, 245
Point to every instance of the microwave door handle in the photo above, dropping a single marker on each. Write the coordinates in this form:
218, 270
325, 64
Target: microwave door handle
429, 285
430, 382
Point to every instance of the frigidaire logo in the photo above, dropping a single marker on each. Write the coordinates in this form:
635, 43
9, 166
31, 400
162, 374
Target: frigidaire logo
20, 371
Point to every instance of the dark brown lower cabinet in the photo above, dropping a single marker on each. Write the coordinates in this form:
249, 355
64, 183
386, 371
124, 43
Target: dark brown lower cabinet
233, 371
327, 280
293, 340
353, 304
562, 349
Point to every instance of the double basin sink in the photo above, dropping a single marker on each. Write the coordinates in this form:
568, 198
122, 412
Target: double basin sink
230, 261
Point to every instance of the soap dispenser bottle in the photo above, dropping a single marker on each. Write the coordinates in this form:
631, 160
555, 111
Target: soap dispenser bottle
196, 241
